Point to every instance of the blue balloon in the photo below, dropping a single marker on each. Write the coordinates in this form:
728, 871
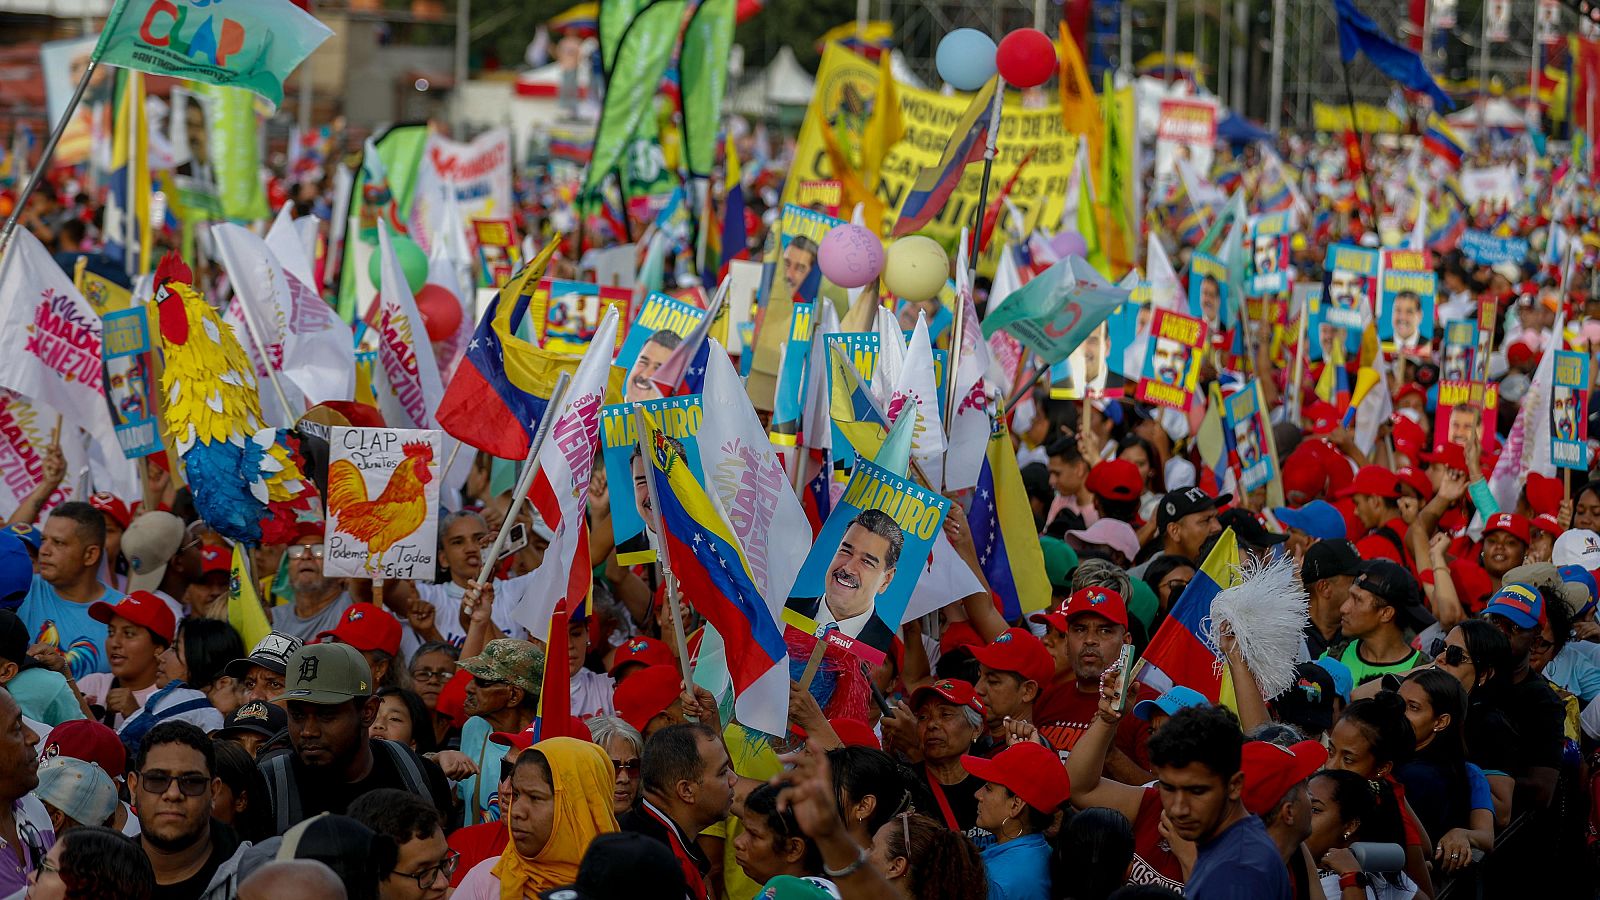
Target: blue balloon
965, 59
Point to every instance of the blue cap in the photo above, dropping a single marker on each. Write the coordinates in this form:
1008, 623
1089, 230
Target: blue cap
16, 570
1344, 681
1169, 703
1522, 604
1317, 518
1575, 574
29, 533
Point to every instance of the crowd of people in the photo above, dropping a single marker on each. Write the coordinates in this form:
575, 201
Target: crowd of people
387, 741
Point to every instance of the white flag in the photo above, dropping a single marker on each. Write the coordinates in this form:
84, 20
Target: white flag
410, 387
917, 393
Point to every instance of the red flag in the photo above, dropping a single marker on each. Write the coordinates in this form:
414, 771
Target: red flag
991, 216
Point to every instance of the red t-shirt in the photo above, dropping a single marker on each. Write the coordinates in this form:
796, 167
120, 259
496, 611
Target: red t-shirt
1380, 545
1153, 861
1064, 714
477, 843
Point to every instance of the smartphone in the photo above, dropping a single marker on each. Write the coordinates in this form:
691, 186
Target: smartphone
1124, 666
516, 540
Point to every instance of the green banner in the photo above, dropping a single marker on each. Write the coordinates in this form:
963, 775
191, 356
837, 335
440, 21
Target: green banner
233, 131
641, 60
703, 67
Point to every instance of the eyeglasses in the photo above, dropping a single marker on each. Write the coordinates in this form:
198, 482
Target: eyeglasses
306, 551
437, 676
484, 684
1176, 586
192, 785
632, 766
1506, 626
426, 878
45, 865
1452, 654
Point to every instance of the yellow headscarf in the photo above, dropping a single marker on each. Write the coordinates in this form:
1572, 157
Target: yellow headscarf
582, 779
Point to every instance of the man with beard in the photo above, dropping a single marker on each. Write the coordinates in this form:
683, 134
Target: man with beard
319, 601
502, 698
332, 760
1085, 635
24, 823
173, 784
1406, 318
863, 568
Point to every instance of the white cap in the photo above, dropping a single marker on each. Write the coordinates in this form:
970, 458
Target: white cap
1578, 547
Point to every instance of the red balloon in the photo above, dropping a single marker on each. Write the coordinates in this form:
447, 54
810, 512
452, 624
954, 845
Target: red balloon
440, 311
1026, 58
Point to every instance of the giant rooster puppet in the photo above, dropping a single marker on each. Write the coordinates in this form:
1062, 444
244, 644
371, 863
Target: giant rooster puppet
245, 477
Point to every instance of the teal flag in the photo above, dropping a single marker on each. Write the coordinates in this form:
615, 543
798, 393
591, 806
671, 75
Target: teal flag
250, 44
1052, 314
703, 71
642, 58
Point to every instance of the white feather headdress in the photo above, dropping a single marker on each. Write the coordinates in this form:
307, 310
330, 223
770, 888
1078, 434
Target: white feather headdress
1267, 611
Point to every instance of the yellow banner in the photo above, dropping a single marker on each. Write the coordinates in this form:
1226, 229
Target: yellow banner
1369, 119
846, 87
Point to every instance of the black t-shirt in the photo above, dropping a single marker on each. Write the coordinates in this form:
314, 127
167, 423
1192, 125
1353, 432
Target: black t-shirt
320, 793
962, 798
1491, 741
1538, 718
224, 843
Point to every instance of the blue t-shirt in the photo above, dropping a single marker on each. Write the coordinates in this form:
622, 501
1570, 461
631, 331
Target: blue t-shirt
44, 696
1019, 869
1478, 786
1241, 862
66, 625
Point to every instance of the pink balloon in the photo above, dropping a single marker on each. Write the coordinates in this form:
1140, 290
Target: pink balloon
1069, 243
850, 256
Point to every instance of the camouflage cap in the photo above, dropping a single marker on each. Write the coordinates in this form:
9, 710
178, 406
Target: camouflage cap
327, 674
511, 660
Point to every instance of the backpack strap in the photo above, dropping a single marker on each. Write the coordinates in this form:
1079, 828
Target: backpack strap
410, 767
280, 783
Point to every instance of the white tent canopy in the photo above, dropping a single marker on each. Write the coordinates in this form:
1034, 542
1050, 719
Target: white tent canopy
784, 82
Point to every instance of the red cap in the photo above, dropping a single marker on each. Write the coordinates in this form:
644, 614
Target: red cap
1098, 600
1270, 771
1304, 476
950, 690
642, 650
307, 530
1320, 417
1409, 437
365, 626
1115, 479
140, 608
215, 558
1410, 388
647, 694
1521, 353
1030, 771
959, 634
1017, 650
89, 741
1416, 480
114, 509
1373, 480
1544, 493
1511, 524
521, 740
1548, 524
856, 733
1452, 456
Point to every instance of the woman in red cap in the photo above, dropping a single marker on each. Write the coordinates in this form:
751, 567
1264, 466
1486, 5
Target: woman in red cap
139, 628
1024, 786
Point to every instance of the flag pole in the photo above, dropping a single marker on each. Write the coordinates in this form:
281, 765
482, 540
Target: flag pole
49, 150
530, 468
958, 326
662, 557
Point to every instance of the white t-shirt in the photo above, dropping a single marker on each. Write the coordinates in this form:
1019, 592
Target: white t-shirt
178, 612
446, 601
96, 685
591, 694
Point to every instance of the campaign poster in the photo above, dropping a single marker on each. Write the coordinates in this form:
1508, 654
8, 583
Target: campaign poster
1186, 130
744, 284
1172, 368
803, 230
1269, 255
658, 328
62, 64
822, 195
1084, 372
1208, 292
1458, 357
1569, 411
1352, 282
477, 172
566, 314
861, 348
619, 447
1486, 249
498, 254
1247, 433
1406, 290
868, 556
1128, 328
382, 503
1467, 408
789, 400
131, 391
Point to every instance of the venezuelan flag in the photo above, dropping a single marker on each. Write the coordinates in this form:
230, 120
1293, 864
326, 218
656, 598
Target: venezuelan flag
502, 387
852, 407
1440, 142
1003, 531
937, 182
711, 569
1182, 651
582, 20
734, 238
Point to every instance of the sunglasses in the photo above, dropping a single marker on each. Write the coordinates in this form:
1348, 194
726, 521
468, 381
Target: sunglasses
157, 783
484, 684
1451, 654
632, 766
306, 551
507, 766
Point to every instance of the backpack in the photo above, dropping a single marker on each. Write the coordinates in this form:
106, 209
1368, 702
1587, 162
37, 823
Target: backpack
278, 770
